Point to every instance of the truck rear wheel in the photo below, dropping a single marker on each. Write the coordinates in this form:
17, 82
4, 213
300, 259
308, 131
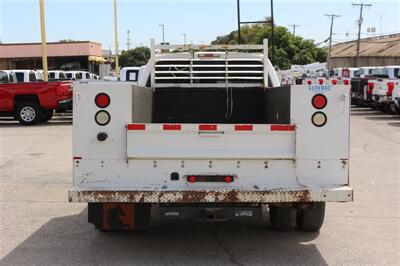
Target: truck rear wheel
393, 108
28, 113
312, 218
282, 218
47, 115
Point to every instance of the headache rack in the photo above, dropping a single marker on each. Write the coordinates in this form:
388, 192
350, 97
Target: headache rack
209, 65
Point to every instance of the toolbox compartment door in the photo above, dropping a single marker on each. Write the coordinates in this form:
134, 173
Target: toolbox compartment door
204, 141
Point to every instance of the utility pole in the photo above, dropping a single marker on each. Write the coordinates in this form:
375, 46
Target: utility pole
360, 20
163, 32
116, 38
128, 40
238, 20
380, 23
184, 38
44, 44
332, 16
294, 28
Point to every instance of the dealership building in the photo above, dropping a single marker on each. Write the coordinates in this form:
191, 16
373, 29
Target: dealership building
68, 55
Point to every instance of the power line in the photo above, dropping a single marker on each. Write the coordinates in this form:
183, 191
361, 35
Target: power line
332, 16
294, 28
360, 20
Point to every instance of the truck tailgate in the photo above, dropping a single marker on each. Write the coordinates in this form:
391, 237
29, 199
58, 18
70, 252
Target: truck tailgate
210, 141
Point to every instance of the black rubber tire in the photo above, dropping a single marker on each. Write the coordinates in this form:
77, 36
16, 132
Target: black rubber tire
393, 108
282, 218
46, 115
311, 219
34, 118
142, 215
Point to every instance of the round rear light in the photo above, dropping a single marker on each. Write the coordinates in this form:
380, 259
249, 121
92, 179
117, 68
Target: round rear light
309, 82
321, 81
228, 179
319, 119
102, 118
191, 178
346, 82
102, 100
334, 81
319, 101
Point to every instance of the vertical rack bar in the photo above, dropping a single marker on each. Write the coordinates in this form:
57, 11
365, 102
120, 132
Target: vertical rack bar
152, 62
265, 60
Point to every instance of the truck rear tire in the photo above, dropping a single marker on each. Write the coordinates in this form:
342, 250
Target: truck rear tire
28, 113
393, 108
311, 219
282, 218
47, 115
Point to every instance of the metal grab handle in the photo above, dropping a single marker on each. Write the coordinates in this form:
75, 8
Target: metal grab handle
211, 133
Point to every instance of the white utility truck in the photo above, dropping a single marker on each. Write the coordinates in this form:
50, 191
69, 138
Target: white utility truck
209, 135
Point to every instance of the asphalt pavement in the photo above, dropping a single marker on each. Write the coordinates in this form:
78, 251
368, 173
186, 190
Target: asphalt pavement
39, 226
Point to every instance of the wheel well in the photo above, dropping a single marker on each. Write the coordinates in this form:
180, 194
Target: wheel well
26, 98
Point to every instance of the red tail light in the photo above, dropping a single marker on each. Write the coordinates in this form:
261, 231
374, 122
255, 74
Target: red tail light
63, 90
319, 101
309, 82
228, 179
346, 82
390, 86
371, 86
334, 81
102, 100
191, 178
321, 81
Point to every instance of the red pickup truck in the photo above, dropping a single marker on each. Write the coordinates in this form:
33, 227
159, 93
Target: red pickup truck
34, 102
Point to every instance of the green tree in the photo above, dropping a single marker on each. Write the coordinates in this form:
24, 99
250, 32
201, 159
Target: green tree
134, 57
289, 49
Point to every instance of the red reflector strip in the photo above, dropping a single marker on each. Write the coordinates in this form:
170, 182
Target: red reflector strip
243, 127
136, 126
171, 127
77, 158
283, 127
207, 127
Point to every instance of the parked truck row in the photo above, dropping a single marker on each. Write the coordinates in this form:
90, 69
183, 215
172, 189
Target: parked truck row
27, 75
376, 87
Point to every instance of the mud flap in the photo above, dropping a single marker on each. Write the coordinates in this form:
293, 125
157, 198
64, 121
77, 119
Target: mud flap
119, 216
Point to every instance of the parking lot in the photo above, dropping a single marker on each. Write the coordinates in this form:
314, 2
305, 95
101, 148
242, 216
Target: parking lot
39, 226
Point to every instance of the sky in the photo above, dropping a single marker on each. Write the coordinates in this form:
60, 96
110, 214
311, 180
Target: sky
200, 20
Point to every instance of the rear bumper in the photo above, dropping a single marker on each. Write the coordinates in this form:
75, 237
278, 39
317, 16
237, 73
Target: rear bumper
382, 98
325, 194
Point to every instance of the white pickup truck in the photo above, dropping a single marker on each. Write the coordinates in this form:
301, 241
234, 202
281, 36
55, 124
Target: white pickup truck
78, 75
384, 87
395, 104
7, 76
26, 75
212, 137
383, 93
